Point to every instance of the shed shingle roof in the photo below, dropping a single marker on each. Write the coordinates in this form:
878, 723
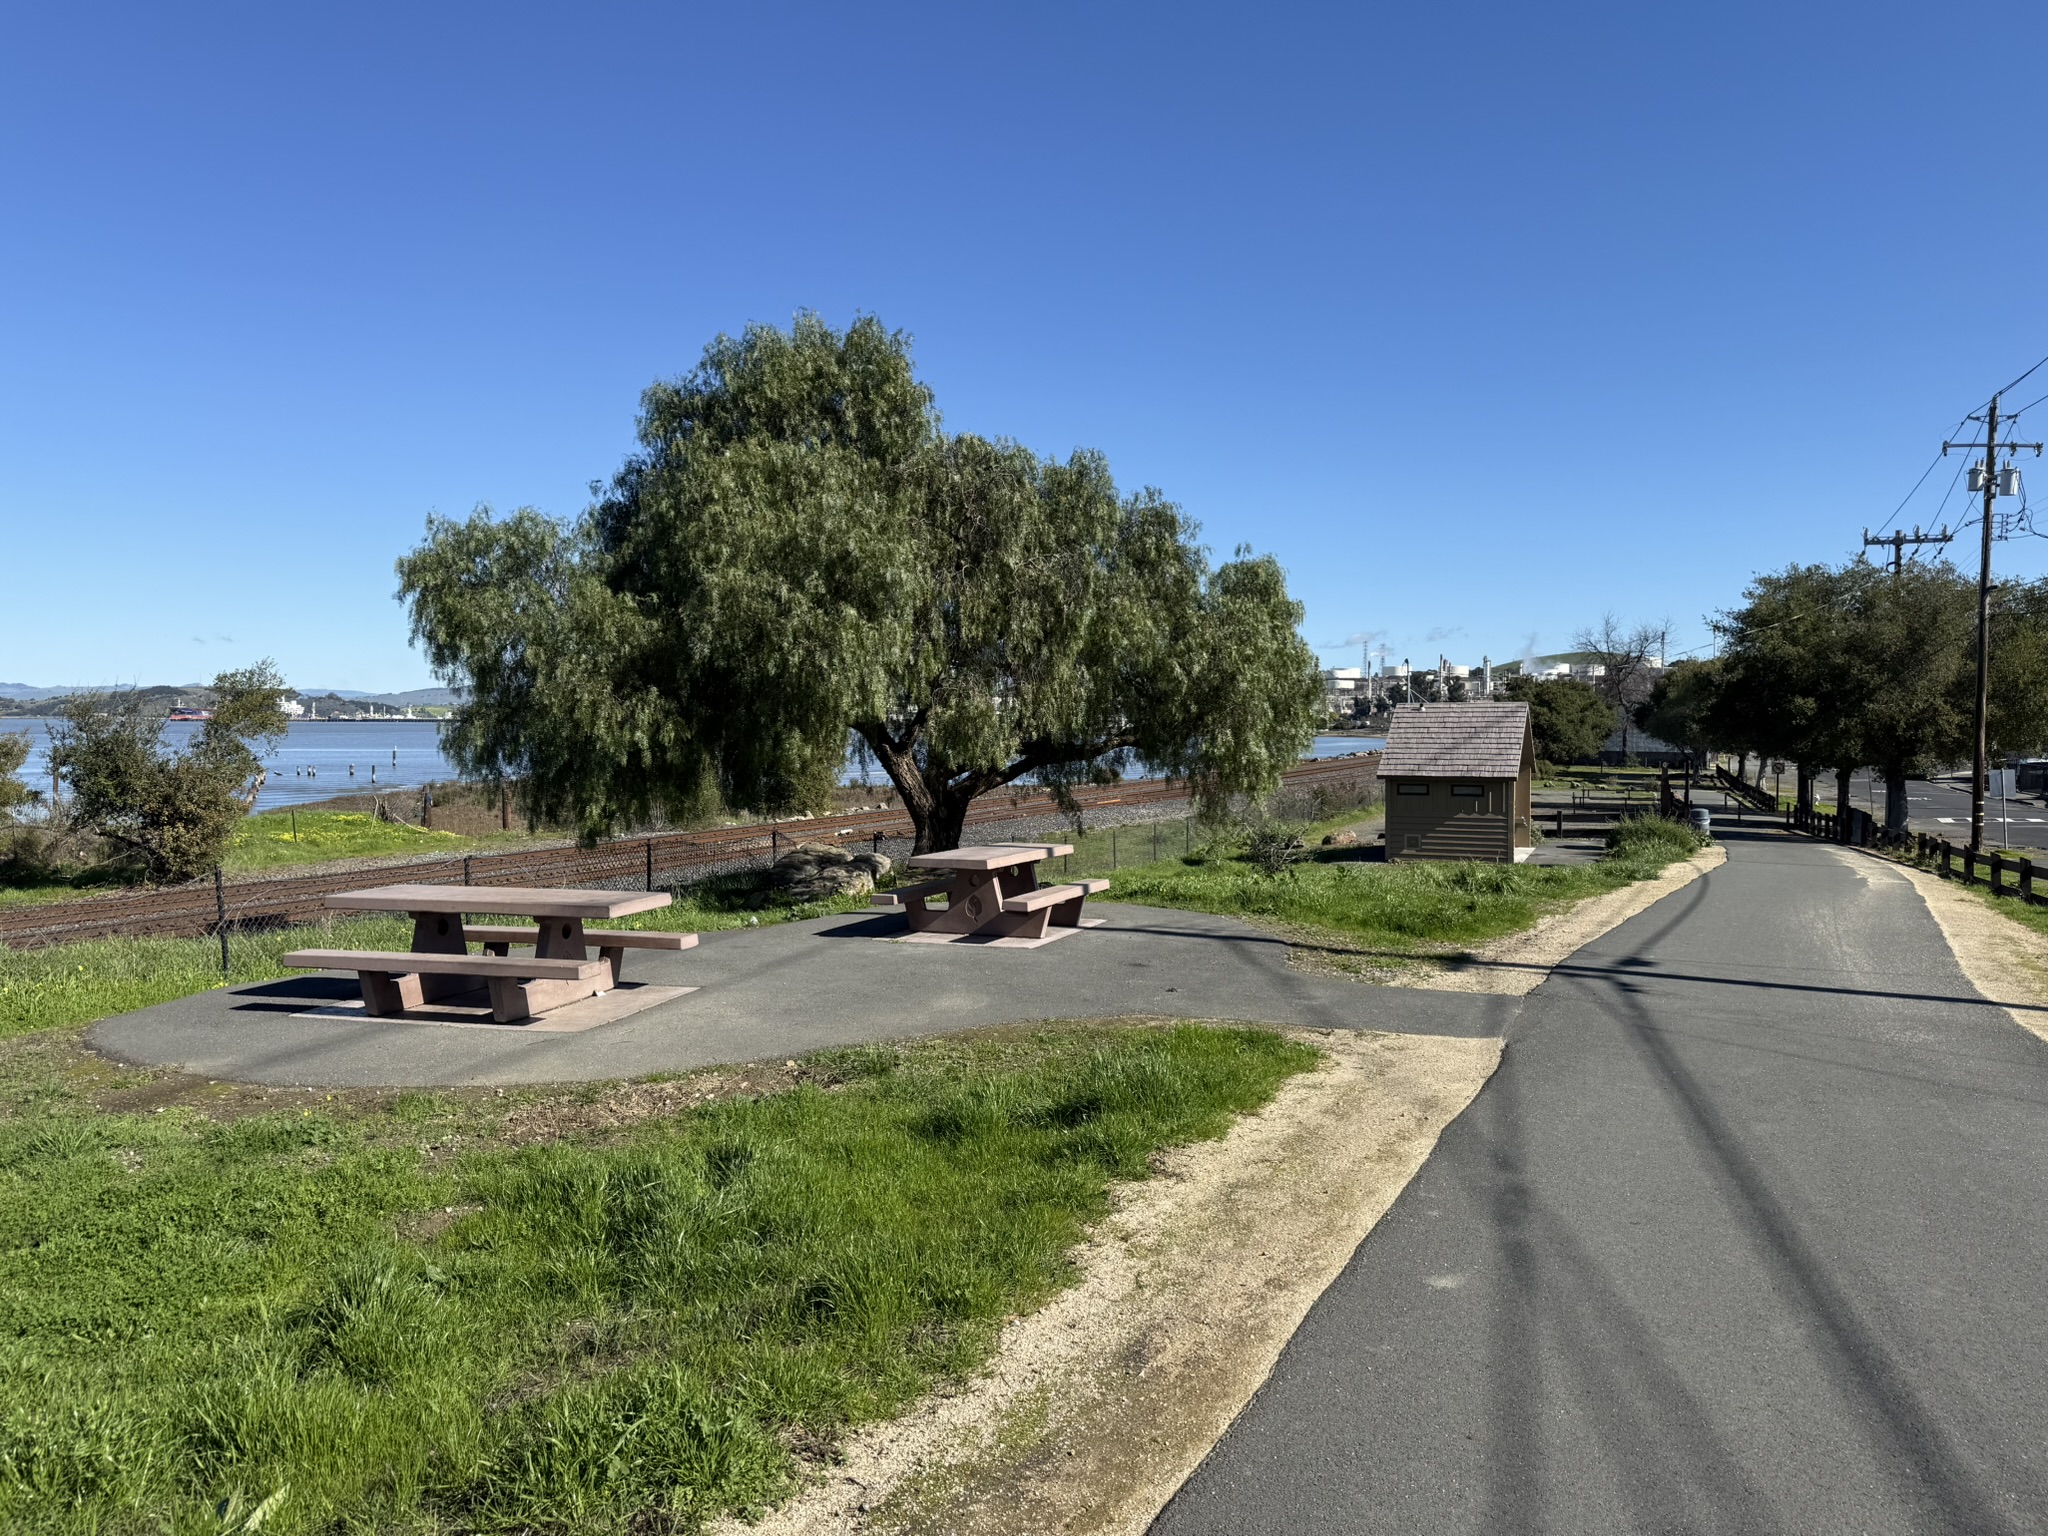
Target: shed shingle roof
1482, 739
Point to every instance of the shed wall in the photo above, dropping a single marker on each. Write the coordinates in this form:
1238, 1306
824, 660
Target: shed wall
1441, 825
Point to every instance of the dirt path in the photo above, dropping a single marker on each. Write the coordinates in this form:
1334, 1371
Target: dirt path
1098, 1406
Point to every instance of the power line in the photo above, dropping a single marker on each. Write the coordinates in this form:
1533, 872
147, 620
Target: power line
1885, 526
2021, 379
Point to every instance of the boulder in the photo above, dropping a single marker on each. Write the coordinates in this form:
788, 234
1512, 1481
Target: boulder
1345, 839
820, 871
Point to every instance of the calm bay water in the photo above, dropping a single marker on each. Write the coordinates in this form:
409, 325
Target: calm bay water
315, 759
311, 763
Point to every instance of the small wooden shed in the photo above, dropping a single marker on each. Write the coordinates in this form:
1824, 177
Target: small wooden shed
1458, 779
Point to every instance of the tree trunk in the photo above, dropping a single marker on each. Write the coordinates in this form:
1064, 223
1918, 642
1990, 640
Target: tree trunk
1842, 804
938, 811
1804, 793
1895, 797
948, 823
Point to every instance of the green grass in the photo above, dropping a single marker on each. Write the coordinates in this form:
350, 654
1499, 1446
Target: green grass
268, 842
2025, 913
70, 984
393, 1321
1403, 907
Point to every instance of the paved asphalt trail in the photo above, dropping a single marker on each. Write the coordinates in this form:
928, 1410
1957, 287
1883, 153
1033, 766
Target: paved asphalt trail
1745, 1235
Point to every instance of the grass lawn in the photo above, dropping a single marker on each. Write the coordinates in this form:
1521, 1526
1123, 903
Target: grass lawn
1403, 908
617, 1308
268, 841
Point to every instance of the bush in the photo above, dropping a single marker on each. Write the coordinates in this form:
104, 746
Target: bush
1274, 849
174, 813
1646, 837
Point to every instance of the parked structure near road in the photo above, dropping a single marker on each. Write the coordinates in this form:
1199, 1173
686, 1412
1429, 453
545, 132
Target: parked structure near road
1458, 779
1630, 744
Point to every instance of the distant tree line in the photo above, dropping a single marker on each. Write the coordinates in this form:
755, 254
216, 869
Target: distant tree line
1839, 668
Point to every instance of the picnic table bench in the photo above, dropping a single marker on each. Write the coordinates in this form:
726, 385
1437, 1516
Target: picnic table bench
561, 969
992, 891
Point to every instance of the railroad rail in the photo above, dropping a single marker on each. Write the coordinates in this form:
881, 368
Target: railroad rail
660, 858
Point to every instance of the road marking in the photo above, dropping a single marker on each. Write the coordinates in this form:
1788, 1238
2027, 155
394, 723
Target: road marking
1946, 821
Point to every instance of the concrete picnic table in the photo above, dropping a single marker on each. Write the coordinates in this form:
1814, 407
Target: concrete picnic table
439, 964
992, 891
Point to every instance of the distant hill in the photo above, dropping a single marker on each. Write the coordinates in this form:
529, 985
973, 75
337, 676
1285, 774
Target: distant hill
30, 699
31, 692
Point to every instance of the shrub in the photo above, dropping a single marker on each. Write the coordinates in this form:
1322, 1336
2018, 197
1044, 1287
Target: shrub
1643, 837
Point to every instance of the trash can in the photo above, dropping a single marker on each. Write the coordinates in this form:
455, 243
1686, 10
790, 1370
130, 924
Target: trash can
1702, 820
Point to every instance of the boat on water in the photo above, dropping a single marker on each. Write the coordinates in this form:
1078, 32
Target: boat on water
190, 714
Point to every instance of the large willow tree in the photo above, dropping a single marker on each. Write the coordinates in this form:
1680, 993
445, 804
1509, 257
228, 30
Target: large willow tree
799, 557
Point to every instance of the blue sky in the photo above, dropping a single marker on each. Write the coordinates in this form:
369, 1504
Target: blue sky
1483, 319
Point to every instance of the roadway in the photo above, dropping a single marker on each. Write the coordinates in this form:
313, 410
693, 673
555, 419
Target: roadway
1940, 807
1744, 1235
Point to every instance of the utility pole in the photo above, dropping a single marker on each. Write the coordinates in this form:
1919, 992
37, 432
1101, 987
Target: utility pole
1989, 476
1898, 542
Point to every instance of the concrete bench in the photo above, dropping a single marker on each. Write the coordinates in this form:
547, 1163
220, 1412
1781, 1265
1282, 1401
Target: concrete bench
612, 943
904, 895
519, 987
1053, 895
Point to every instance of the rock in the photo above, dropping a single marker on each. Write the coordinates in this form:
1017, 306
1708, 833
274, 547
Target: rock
821, 871
1341, 840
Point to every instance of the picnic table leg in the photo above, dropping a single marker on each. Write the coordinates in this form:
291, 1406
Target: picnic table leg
438, 933
513, 1000
998, 924
560, 938
386, 995
974, 898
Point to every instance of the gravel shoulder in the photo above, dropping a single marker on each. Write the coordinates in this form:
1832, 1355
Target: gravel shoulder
1098, 1406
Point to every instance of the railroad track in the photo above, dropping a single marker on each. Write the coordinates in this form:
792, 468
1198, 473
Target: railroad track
668, 858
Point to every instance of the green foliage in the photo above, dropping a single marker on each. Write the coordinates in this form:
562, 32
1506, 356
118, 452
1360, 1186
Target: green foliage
1274, 849
1410, 907
1849, 666
799, 555
14, 795
1647, 839
174, 813
610, 1336
1682, 705
1569, 719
